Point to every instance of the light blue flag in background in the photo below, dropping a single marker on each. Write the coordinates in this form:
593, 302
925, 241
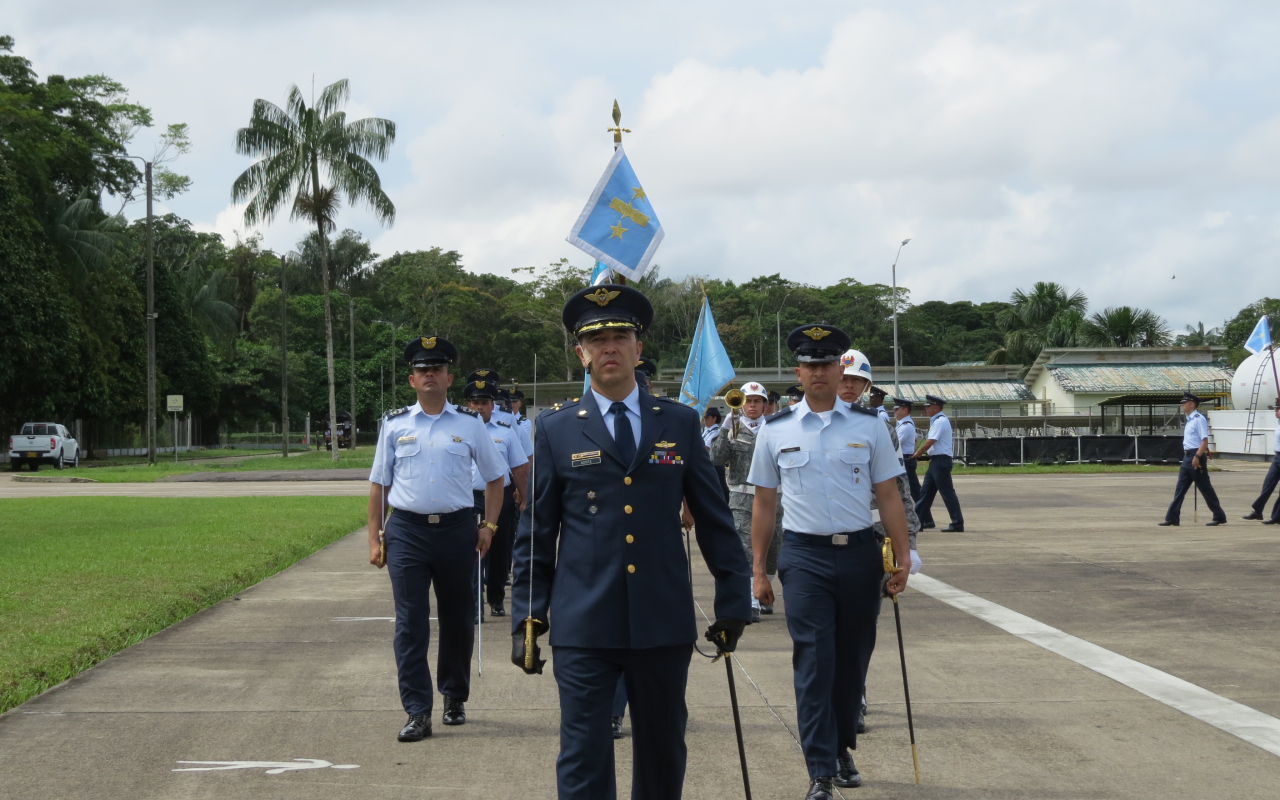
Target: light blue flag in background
1260, 339
601, 274
709, 367
618, 227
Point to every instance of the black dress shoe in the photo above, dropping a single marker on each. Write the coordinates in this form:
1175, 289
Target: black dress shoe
1254, 515
1215, 523
1271, 522
416, 729
455, 711
847, 777
617, 727
953, 529
764, 609
819, 789
497, 610
1167, 524
924, 526
862, 724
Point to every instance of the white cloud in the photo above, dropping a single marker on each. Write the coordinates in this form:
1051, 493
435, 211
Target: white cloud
1106, 146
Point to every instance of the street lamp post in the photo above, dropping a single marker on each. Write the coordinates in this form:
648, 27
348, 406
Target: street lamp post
151, 322
393, 358
777, 321
896, 391
284, 357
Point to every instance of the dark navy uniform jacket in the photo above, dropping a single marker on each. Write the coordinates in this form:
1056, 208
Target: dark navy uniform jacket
608, 559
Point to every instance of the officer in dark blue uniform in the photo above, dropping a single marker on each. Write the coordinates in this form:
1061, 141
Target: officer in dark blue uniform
610, 471
828, 458
423, 470
1195, 467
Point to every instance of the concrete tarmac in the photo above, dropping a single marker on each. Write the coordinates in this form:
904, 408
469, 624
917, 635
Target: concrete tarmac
300, 667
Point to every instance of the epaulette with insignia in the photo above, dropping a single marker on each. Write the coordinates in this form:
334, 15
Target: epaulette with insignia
503, 424
864, 410
666, 398
396, 412
780, 414
465, 410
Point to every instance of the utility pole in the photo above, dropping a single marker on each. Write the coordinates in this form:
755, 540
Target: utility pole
151, 328
777, 321
351, 307
896, 391
284, 357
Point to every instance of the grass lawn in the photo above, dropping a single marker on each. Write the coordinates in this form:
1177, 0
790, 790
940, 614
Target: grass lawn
311, 459
1056, 469
82, 578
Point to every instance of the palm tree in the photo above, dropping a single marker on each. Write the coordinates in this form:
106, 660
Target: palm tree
1047, 316
1126, 326
300, 147
1197, 336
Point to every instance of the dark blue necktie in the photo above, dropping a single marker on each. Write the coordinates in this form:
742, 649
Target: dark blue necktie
622, 433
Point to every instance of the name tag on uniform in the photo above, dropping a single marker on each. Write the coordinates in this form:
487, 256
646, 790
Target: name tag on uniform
585, 459
406, 440
856, 444
789, 450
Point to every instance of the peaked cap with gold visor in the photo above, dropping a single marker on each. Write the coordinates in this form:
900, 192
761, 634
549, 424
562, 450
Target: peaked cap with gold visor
608, 306
817, 343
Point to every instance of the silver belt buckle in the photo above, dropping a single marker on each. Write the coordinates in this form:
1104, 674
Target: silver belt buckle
840, 538
434, 519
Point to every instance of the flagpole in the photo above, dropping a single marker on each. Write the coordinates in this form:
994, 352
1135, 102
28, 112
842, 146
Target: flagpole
617, 130
1272, 348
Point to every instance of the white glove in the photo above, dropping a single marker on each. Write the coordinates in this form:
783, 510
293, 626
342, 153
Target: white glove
916, 562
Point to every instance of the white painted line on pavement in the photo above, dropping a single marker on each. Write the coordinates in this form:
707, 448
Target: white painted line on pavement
1235, 718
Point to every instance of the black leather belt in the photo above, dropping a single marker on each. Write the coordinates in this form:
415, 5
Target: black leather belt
830, 540
449, 518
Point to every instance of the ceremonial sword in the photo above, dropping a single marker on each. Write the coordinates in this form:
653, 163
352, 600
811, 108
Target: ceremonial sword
891, 566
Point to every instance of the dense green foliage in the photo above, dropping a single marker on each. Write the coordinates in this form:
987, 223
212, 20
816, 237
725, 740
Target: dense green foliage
84, 577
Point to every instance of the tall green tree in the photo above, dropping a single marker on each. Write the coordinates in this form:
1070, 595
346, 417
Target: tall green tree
1126, 326
310, 158
1197, 336
1048, 316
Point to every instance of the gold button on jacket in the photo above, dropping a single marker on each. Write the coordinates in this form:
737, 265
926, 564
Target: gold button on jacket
631, 568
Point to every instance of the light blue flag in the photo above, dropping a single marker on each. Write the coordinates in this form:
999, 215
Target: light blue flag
709, 367
601, 274
1260, 339
618, 227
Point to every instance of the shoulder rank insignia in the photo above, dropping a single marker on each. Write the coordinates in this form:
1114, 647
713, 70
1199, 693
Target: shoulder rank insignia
467, 411
780, 414
815, 333
871, 412
396, 412
503, 424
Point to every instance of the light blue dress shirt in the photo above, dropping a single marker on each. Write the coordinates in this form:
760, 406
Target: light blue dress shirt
884, 414
1276, 439
825, 469
1195, 431
906, 435
940, 432
633, 412
427, 462
522, 431
513, 455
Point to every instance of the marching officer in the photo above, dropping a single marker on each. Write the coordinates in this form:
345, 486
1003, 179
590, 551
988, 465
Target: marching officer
423, 470
732, 450
1195, 467
907, 434
828, 459
937, 478
526, 438
794, 393
710, 426
611, 470
876, 403
497, 562
1269, 482
517, 408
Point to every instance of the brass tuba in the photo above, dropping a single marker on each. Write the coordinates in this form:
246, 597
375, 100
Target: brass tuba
735, 400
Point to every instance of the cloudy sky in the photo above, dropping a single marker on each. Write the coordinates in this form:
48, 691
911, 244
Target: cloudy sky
1110, 146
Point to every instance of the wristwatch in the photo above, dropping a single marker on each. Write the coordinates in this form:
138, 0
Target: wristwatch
491, 526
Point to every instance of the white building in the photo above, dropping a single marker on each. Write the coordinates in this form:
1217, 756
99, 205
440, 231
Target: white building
1080, 380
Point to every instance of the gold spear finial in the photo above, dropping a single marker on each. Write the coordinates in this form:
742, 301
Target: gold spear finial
617, 130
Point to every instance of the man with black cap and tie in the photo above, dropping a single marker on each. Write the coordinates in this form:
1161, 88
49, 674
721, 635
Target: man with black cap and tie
829, 459
422, 469
1195, 466
600, 558
907, 435
937, 478
480, 395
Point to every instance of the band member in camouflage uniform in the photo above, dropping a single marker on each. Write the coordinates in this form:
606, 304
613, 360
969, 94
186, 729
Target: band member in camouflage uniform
733, 449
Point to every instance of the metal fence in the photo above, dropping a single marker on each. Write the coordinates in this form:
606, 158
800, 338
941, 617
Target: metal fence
1006, 451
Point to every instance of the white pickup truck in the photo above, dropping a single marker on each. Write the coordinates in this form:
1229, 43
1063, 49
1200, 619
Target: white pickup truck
43, 443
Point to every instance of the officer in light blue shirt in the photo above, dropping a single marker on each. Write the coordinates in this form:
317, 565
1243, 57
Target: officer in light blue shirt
496, 564
423, 470
937, 478
828, 459
1269, 483
1195, 469
907, 436
875, 401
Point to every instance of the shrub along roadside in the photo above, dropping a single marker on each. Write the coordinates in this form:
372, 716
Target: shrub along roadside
82, 578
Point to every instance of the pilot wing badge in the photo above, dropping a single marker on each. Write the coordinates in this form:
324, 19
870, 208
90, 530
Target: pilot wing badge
619, 227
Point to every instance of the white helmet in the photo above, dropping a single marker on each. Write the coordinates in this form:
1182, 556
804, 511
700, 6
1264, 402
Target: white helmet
856, 364
756, 389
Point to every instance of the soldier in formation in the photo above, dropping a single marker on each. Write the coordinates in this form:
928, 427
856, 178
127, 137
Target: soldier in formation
1195, 465
939, 445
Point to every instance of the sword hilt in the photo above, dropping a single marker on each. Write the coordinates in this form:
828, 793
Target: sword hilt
530, 638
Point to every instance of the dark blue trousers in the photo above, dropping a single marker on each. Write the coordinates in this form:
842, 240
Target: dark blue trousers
1200, 477
620, 698
937, 481
833, 596
655, 681
912, 478
1269, 486
497, 562
417, 555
